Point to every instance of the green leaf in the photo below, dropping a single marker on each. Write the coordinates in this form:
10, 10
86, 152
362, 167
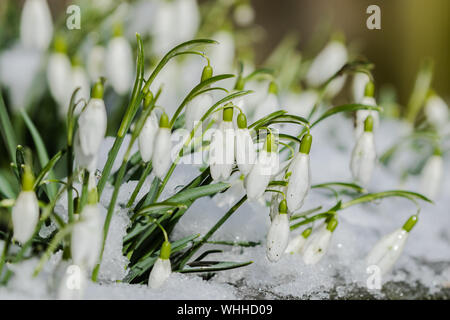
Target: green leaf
236, 243
353, 186
5, 187
214, 266
380, 195
49, 166
7, 131
198, 192
41, 151
304, 213
160, 208
345, 108
309, 220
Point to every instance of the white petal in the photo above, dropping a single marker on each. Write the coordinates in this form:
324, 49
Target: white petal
160, 272
88, 162
296, 245
259, 177
431, 177
161, 159
363, 158
119, 64
436, 111
92, 126
59, 77
299, 181
25, 216
36, 27
96, 63
188, 19
146, 139
317, 245
361, 116
360, 80
222, 151
80, 79
277, 237
245, 151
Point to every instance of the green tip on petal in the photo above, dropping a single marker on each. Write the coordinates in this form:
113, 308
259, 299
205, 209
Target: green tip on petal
306, 233
368, 124
369, 91
207, 73
282, 207
164, 121
332, 224
93, 196
305, 145
273, 88
228, 112
242, 121
60, 44
410, 223
27, 179
97, 90
148, 99
240, 83
437, 152
165, 250
117, 30
270, 143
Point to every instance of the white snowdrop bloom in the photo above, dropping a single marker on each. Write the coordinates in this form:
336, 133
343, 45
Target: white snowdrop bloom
162, 268
187, 19
163, 30
318, 242
87, 236
36, 26
335, 86
364, 155
59, 78
244, 14
221, 156
119, 64
269, 104
431, 177
161, 158
92, 122
83, 161
360, 80
25, 215
436, 111
278, 235
300, 104
96, 63
327, 63
146, 139
222, 55
361, 116
300, 179
73, 283
245, 148
265, 167
80, 79
297, 244
387, 250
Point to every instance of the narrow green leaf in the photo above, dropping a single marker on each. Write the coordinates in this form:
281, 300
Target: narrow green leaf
49, 166
353, 186
345, 108
380, 195
198, 192
7, 131
215, 266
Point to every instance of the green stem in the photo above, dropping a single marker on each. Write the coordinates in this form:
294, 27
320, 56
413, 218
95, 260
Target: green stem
147, 170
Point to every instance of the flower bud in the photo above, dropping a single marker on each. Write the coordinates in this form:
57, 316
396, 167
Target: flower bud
162, 268
297, 244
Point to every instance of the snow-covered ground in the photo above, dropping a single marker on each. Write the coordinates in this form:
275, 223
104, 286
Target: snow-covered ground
423, 269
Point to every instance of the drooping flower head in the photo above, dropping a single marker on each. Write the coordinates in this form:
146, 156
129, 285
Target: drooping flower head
162, 268
278, 235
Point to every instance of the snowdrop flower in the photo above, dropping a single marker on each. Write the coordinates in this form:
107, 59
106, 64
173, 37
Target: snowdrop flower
59, 75
268, 105
36, 26
96, 63
335, 86
297, 244
364, 155
187, 19
25, 212
244, 14
317, 244
431, 177
265, 167
119, 63
221, 156
360, 80
87, 234
361, 115
92, 122
386, 252
436, 111
245, 149
278, 235
300, 176
161, 158
83, 161
80, 79
161, 269
198, 106
146, 139
73, 284
327, 63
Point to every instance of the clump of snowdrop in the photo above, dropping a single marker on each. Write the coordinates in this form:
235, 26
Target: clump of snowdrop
318, 242
299, 176
25, 212
364, 154
162, 268
386, 252
221, 156
431, 176
36, 26
278, 235
161, 158
265, 167
119, 62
